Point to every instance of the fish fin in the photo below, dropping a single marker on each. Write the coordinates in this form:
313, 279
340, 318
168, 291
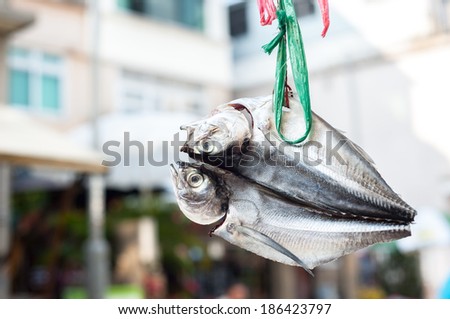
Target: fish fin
266, 240
362, 152
341, 131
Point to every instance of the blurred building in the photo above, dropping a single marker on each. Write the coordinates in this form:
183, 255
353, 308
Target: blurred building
154, 56
160, 64
11, 21
380, 75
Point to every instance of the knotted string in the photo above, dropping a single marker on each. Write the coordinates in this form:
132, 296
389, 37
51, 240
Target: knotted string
290, 36
267, 11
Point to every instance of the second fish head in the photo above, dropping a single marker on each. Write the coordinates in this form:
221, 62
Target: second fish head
199, 195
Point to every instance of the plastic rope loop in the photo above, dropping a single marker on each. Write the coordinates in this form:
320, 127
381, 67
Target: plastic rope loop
290, 37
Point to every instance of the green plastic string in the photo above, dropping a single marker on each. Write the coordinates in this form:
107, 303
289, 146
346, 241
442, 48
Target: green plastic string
290, 34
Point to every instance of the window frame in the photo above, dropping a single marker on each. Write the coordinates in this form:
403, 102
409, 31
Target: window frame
311, 3
238, 6
175, 15
36, 65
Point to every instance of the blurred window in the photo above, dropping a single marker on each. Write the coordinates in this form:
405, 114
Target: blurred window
50, 92
237, 14
304, 7
35, 80
190, 12
19, 87
140, 92
186, 12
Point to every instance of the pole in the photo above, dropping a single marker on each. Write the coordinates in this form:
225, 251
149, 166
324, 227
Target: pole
5, 216
97, 249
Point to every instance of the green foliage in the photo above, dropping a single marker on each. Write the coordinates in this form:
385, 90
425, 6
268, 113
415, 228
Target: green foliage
23, 203
177, 238
399, 274
57, 237
172, 227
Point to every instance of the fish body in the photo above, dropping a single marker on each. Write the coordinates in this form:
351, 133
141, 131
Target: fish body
326, 171
254, 218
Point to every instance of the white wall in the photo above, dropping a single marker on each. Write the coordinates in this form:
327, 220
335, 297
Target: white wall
128, 41
397, 110
164, 49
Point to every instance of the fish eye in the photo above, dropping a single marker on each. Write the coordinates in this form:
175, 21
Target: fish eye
207, 147
195, 180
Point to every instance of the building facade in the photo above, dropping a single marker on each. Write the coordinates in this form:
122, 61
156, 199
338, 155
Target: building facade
159, 63
154, 56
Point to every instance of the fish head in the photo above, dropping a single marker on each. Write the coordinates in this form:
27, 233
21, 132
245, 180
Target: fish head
217, 134
200, 195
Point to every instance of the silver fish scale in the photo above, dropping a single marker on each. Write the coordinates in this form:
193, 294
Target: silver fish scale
313, 238
322, 224
281, 213
314, 248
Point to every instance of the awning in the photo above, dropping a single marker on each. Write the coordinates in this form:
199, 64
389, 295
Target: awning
24, 141
12, 20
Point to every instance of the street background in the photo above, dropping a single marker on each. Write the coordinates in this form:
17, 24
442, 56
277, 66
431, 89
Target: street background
77, 74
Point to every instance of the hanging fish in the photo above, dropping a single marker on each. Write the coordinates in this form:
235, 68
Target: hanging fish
327, 170
254, 218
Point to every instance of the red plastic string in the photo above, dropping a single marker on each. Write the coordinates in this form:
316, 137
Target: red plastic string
323, 4
267, 11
